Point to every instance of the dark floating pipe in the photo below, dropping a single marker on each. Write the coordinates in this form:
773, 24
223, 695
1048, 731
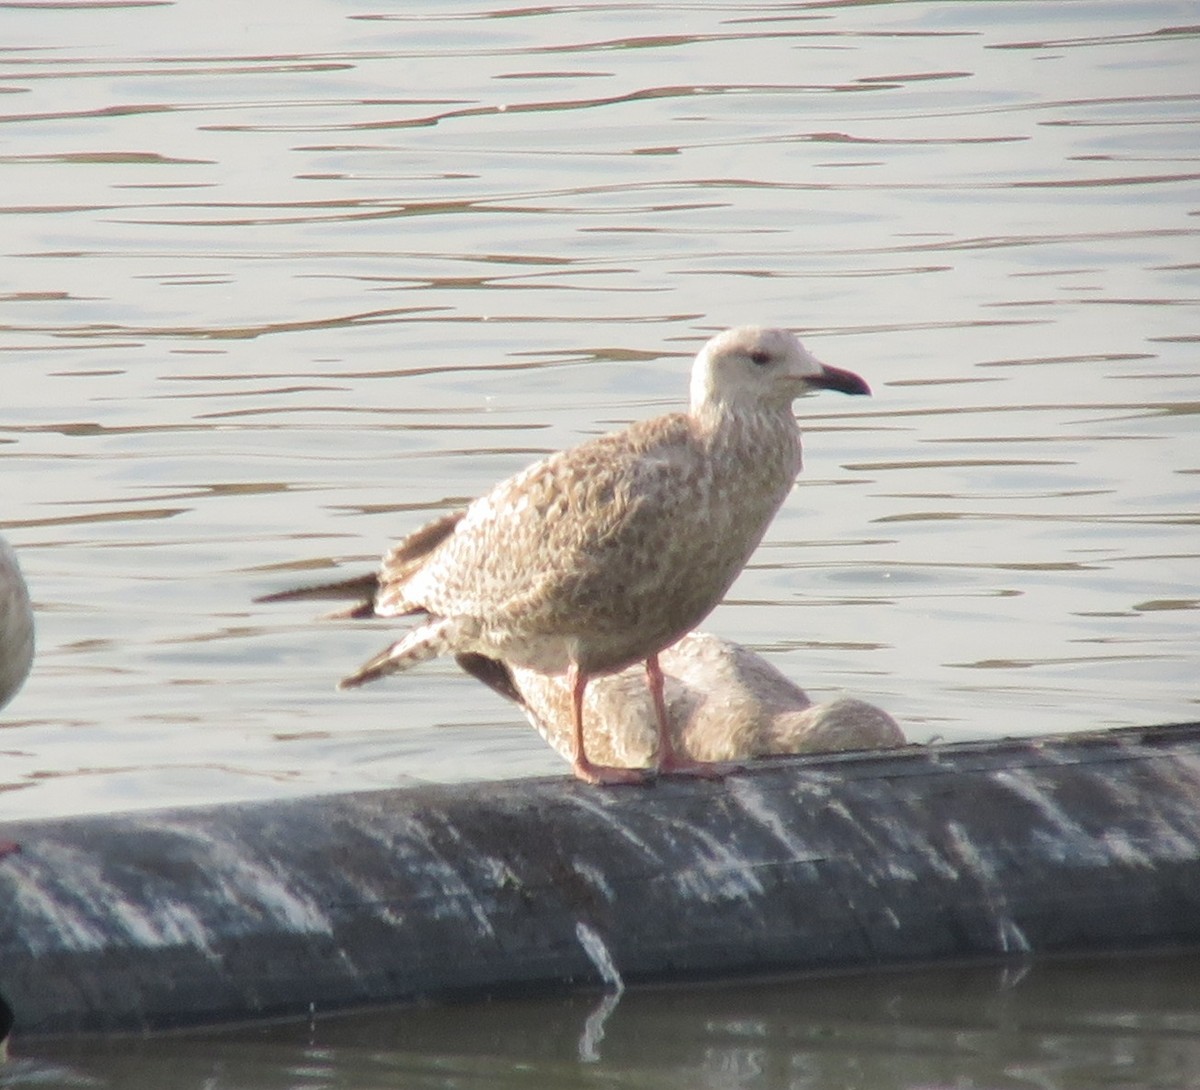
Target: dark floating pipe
150, 920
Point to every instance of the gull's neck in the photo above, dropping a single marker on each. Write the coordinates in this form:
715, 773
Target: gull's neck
715, 415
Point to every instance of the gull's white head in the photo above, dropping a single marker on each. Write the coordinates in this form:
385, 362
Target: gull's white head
755, 368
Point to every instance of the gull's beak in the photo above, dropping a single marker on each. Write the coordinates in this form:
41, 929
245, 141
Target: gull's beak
834, 378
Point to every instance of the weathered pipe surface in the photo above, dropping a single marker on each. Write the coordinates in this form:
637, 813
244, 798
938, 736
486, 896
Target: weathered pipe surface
210, 914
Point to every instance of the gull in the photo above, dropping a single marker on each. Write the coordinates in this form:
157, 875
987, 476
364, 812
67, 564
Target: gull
598, 557
724, 703
16, 626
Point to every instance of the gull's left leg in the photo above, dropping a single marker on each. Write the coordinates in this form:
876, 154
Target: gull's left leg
669, 758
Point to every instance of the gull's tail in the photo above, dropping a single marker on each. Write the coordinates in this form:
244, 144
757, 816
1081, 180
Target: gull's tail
429, 640
403, 560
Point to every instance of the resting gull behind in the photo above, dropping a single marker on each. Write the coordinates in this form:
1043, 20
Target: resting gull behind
724, 703
597, 557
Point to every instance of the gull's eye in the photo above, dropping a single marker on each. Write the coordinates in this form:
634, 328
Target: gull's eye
760, 358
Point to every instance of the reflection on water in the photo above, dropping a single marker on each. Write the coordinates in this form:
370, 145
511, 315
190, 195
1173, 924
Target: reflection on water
1055, 1026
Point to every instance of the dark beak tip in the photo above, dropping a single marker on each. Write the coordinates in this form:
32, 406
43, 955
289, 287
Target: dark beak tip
846, 382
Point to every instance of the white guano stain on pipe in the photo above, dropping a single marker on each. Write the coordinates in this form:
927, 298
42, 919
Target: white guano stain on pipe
82, 910
594, 877
613, 821
719, 874
240, 878
759, 808
599, 955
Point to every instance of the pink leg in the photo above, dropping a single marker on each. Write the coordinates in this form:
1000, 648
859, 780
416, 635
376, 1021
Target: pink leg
669, 758
580, 765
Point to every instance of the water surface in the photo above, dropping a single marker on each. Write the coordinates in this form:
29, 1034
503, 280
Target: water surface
283, 284
282, 281
1065, 1025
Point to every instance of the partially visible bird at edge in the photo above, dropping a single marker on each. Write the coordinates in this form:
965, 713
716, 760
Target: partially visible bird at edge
16, 626
598, 557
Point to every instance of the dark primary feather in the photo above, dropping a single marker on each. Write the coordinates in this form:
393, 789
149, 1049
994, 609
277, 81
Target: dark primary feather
493, 673
360, 586
405, 557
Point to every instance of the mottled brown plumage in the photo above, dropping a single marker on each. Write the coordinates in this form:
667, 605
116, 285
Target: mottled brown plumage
598, 557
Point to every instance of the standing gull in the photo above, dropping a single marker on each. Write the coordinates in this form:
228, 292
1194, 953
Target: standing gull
598, 557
